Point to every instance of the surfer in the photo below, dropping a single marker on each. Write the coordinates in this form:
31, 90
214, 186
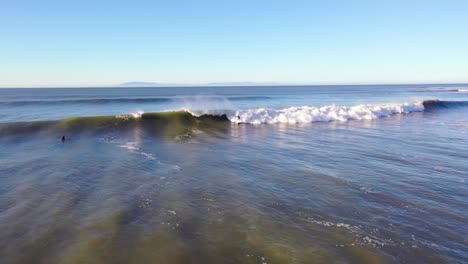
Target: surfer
63, 139
238, 119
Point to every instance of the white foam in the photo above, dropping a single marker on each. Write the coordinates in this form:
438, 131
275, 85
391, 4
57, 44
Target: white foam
130, 146
134, 115
308, 114
367, 237
133, 147
138, 114
353, 229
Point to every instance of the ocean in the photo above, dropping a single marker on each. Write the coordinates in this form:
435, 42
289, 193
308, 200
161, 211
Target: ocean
282, 174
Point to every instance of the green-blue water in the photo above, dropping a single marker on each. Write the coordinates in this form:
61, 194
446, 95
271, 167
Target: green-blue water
333, 174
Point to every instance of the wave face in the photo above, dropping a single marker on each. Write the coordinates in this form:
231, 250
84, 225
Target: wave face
431, 105
307, 114
177, 122
171, 122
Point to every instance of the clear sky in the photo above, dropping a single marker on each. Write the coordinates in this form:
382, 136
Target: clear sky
87, 43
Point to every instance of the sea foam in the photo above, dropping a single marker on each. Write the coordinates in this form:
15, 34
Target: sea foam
308, 114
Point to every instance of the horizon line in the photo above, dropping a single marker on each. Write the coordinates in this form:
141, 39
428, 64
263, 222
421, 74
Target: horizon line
226, 84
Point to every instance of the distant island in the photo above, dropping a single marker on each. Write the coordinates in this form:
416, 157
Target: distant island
154, 84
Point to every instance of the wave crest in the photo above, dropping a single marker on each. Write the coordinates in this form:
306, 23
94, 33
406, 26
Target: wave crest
308, 114
177, 123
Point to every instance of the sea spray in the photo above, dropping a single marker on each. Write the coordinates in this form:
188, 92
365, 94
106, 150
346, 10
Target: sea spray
204, 105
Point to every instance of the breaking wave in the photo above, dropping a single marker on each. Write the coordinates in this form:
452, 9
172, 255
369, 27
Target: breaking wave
181, 122
308, 114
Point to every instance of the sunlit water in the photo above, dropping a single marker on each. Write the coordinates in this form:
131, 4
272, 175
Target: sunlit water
389, 189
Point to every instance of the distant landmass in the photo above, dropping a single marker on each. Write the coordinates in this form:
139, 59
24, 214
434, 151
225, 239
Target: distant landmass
154, 84
146, 84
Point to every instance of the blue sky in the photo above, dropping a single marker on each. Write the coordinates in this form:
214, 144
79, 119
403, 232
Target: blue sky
88, 43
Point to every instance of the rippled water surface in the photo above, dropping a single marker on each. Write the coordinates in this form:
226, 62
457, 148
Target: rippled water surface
177, 188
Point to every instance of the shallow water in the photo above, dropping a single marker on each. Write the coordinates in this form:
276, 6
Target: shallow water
173, 188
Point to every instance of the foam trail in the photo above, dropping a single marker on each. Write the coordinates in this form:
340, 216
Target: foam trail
307, 114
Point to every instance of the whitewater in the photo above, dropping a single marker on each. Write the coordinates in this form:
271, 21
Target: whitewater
304, 114
307, 114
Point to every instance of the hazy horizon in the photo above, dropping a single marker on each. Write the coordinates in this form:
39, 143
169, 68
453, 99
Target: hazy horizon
228, 84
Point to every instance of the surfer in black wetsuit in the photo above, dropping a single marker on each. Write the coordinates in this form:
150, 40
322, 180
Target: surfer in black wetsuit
238, 119
63, 139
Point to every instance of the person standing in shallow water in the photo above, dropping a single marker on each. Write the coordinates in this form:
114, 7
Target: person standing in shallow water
63, 139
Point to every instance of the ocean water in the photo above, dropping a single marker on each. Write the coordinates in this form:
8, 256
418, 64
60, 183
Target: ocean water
304, 174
